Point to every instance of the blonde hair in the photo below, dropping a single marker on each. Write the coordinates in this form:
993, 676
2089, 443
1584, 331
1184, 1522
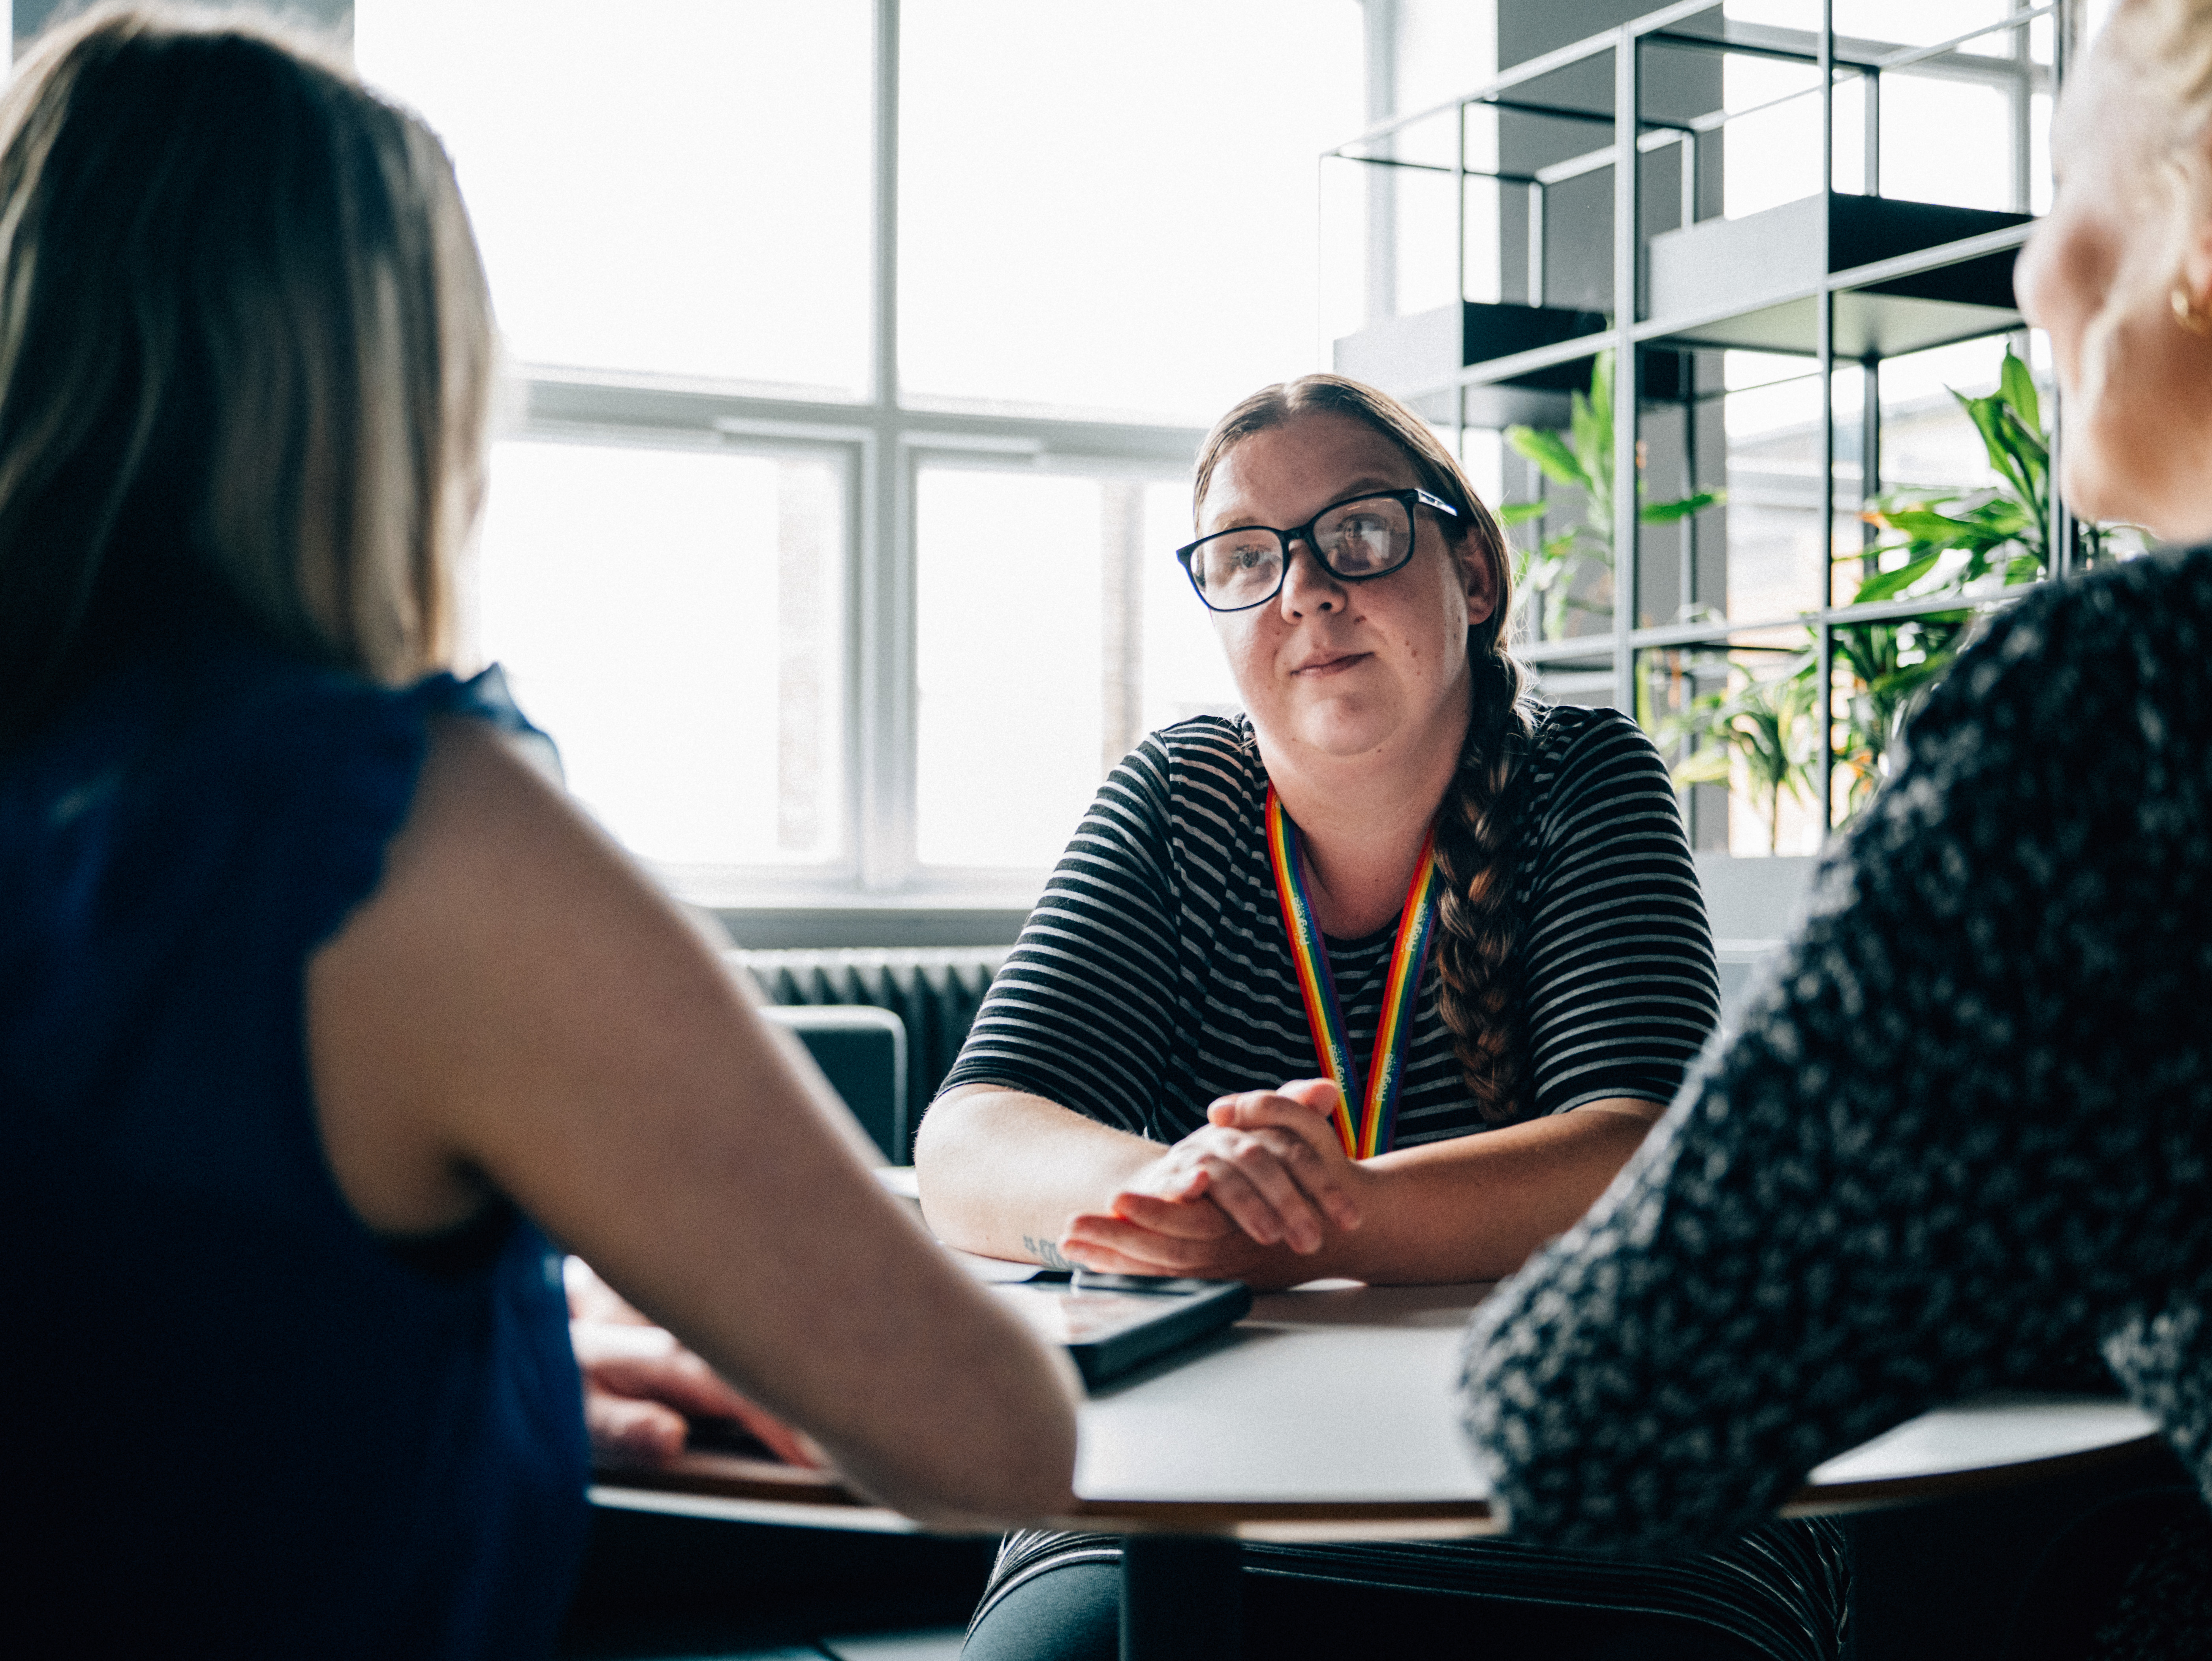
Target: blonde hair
245, 346
2167, 47
1478, 992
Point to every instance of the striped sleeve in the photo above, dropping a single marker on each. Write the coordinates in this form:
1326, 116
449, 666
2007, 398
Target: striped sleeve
1084, 1011
1621, 991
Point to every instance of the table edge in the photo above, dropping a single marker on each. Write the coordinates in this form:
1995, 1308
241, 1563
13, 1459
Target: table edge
761, 1490
1836, 1499
722, 1478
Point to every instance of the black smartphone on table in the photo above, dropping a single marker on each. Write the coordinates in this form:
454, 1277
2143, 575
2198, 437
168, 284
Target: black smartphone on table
1112, 1324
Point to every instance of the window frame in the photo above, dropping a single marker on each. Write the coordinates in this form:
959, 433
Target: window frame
889, 437
843, 452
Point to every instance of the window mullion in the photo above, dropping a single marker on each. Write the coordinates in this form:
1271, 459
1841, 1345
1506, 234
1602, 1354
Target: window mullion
883, 640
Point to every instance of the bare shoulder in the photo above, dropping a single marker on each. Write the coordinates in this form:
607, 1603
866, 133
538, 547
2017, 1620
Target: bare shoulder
484, 814
498, 876
510, 954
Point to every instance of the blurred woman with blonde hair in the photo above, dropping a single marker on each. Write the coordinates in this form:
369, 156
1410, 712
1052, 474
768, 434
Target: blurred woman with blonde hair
319, 1000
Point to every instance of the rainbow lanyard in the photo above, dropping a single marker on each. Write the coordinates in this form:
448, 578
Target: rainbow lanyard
1400, 994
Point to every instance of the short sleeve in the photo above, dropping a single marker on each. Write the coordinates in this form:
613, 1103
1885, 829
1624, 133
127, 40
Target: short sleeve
1082, 1013
1620, 986
330, 776
253, 808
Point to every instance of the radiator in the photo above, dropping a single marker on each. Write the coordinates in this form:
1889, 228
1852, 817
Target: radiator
935, 990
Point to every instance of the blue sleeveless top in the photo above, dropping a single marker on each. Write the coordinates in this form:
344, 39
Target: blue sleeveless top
235, 1421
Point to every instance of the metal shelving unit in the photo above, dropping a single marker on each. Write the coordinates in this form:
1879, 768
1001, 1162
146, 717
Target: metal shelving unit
1913, 276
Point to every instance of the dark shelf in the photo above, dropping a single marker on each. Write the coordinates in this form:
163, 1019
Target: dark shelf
1733, 632
1420, 351
1753, 282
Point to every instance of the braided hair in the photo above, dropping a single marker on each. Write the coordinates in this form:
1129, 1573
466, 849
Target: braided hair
1477, 923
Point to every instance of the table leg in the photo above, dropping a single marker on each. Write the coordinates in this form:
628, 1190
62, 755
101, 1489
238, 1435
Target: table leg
1182, 1598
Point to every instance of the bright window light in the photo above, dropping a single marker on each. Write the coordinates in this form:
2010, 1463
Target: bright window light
1056, 629
1009, 658
674, 620
1944, 141
1769, 155
1114, 207
1184, 671
679, 186
1925, 22
1943, 138
1900, 23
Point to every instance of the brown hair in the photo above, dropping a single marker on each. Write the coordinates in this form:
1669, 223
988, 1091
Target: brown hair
1477, 925
246, 350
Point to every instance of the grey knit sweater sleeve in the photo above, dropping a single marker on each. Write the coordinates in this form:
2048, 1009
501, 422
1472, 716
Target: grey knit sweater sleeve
1965, 1133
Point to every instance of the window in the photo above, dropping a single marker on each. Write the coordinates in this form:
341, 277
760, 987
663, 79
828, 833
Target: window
675, 617
1139, 237
680, 186
837, 577
1054, 631
1012, 619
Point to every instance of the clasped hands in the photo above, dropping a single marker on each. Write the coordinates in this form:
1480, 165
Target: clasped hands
1259, 1194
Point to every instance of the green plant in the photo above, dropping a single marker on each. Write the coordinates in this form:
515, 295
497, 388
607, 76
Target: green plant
1940, 543
1581, 459
1886, 667
1945, 544
1763, 733
2015, 515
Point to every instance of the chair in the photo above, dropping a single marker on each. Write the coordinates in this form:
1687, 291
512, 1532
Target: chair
862, 1050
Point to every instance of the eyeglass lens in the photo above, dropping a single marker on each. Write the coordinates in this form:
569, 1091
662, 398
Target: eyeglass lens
1361, 539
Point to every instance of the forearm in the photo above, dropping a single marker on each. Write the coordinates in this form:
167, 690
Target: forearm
516, 1002
1001, 1172
1474, 1208
1469, 1209
776, 1257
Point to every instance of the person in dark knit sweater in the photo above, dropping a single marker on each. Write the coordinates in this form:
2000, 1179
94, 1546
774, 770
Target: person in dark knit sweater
1966, 1131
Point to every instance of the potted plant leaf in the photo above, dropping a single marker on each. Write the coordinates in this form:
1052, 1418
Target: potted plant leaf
1762, 736
1972, 543
1580, 459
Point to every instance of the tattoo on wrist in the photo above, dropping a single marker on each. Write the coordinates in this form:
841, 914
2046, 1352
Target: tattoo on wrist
1047, 1253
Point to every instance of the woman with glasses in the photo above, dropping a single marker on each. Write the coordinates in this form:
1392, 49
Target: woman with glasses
1386, 978
1509, 884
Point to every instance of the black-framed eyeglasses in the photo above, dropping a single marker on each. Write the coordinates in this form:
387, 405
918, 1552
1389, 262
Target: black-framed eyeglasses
1360, 538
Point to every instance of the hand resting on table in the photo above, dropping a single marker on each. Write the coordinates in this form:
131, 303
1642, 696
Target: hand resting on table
1263, 1192
1265, 1182
642, 1388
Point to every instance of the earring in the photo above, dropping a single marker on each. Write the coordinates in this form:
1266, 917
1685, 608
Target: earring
2185, 313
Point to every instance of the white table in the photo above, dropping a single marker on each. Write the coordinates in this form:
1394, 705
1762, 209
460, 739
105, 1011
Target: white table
1248, 1439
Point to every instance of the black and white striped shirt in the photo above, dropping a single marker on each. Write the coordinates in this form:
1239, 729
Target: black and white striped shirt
1154, 974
